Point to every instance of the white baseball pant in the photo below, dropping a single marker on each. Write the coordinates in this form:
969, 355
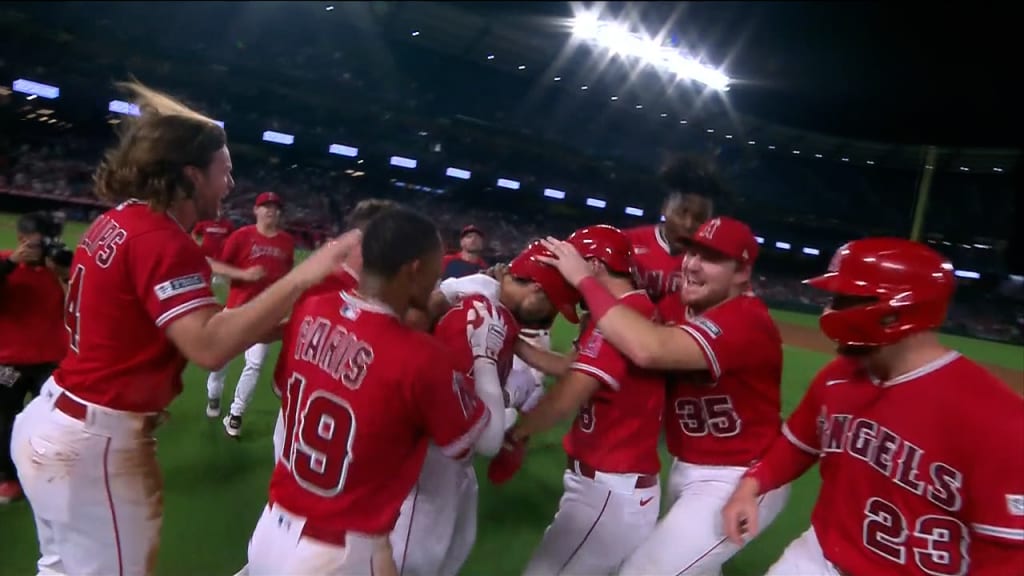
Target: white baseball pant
436, 528
599, 523
803, 556
246, 381
690, 539
94, 486
279, 435
278, 547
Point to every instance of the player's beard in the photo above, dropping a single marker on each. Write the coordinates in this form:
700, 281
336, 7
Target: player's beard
855, 350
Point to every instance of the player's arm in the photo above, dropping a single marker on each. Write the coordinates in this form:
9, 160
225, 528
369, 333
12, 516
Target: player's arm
561, 402
210, 336
488, 388
994, 486
792, 453
228, 271
452, 414
548, 362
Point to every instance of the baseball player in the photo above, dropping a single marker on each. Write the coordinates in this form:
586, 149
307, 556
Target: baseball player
344, 279
365, 395
139, 307
211, 235
658, 249
920, 450
719, 420
467, 260
266, 246
437, 526
612, 494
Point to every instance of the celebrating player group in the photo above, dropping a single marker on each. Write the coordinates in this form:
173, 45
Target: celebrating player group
391, 381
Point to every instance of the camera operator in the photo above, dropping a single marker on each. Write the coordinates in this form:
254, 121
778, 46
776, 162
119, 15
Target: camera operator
33, 282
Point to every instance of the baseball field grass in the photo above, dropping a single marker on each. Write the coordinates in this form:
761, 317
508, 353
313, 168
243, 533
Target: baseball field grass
215, 486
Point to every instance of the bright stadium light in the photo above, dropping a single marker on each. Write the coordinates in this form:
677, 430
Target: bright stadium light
759, 239
783, 245
966, 274
278, 137
596, 203
554, 194
508, 183
403, 162
620, 40
458, 173
634, 211
343, 150
811, 251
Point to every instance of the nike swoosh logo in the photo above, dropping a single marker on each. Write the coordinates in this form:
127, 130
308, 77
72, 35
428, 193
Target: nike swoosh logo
646, 501
831, 382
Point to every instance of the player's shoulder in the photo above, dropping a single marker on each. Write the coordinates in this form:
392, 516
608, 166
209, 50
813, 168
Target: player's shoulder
840, 371
140, 224
244, 231
639, 232
640, 301
978, 389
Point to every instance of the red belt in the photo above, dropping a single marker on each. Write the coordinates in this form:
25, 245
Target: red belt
642, 481
80, 411
325, 535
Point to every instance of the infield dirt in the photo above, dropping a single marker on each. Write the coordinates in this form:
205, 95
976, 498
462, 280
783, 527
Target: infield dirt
811, 339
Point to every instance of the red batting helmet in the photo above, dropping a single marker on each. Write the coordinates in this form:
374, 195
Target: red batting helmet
561, 294
605, 243
909, 284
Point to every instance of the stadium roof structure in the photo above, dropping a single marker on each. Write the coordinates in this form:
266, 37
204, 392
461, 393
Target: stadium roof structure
869, 83
871, 80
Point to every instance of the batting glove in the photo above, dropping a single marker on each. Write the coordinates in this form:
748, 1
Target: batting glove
485, 331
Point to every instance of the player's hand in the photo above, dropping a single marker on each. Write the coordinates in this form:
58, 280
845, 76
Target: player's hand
485, 331
327, 258
498, 271
27, 252
507, 462
253, 274
567, 260
739, 516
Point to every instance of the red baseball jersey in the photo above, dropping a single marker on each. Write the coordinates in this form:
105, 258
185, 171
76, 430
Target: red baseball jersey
658, 270
214, 234
728, 415
363, 396
922, 474
342, 280
31, 316
134, 273
247, 247
451, 330
617, 430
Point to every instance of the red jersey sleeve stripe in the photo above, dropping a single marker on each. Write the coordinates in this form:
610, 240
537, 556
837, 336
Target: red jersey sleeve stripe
180, 309
1015, 535
709, 354
458, 447
797, 442
597, 373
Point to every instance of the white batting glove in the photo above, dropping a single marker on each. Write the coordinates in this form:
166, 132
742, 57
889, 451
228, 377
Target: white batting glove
519, 386
485, 331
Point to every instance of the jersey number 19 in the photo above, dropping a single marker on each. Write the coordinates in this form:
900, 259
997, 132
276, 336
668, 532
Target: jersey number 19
319, 432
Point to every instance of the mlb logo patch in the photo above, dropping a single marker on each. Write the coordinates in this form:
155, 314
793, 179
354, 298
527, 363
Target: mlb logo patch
1015, 504
708, 326
349, 311
593, 345
178, 286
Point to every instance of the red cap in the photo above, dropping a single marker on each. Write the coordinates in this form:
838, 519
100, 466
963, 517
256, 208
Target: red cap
729, 237
268, 198
561, 294
471, 229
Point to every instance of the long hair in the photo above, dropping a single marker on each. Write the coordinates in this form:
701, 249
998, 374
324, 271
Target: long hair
148, 162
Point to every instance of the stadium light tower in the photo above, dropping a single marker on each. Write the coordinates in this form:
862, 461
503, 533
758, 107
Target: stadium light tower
618, 39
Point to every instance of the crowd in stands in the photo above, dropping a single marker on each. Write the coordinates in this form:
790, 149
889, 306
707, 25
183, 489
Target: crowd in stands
318, 197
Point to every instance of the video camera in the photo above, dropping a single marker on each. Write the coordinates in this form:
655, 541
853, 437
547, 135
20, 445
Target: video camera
52, 231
